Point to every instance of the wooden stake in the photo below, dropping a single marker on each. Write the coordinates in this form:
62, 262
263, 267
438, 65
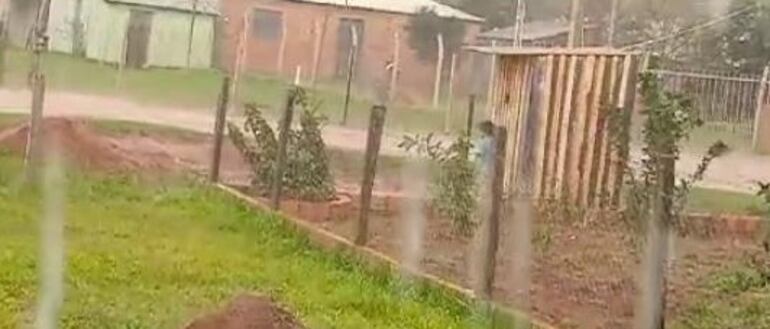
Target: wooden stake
439, 70
282, 47
450, 101
373, 141
352, 55
283, 141
471, 113
392, 89
758, 111
493, 225
320, 31
219, 129
491, 83
577, 140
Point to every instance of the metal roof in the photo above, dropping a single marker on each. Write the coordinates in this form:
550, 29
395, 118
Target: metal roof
208, 7
531, 31
539, 51
401, 6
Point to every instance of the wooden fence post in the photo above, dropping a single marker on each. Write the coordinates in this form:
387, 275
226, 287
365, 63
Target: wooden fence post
283, 141
393, 84
351, 71
373, 141
439, 70
219, 129
451, 94
759, 115
33, 152
493, 225
471, 114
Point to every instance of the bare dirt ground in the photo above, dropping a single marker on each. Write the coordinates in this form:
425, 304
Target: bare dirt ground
248, 312
582, 277
737, 170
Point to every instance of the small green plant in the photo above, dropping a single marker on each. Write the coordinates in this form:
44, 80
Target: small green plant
307, 175
454, 187
670, 119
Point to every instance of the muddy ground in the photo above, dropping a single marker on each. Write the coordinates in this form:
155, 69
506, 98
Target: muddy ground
583, 274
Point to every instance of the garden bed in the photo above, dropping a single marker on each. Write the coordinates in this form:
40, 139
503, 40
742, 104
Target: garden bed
582, 276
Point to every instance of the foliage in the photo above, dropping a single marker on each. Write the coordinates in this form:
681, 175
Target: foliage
148, 254
744, 43
307, 174
669, 119
454, 187
426, 25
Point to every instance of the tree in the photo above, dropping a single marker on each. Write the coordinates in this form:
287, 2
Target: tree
426, 25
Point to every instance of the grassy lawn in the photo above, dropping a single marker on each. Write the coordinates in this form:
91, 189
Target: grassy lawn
199, 89
141, 256
718, 201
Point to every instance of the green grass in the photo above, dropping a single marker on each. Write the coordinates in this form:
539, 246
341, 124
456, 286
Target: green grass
718, 201
199, 89
738, 298
141, 256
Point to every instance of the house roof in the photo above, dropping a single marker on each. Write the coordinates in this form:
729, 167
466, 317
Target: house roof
401, 6
540, 51
531, 31
207, 7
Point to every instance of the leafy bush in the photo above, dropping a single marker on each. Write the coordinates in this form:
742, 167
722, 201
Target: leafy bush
307, 175
454, 187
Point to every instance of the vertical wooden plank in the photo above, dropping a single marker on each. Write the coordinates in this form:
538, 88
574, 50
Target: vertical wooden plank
517, 122
541, 145
577, 130
759, 111
373, 142
626, 104
553, 129
588, 156
605, 154
439, 70
564, 137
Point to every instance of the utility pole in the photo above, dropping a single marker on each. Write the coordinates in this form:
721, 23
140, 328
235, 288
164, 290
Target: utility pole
576, 23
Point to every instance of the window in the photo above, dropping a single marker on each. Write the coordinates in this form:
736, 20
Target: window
267, 25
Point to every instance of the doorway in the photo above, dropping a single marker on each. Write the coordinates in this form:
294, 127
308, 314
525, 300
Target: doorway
138, 38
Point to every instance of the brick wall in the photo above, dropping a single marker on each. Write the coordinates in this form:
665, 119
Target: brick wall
305, 22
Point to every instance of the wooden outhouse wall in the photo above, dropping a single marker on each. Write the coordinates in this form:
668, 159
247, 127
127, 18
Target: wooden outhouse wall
558, 110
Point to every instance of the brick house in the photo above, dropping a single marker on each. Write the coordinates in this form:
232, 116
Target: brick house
315, 35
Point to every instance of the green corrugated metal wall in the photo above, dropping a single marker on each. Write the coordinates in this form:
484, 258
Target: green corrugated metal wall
105, 30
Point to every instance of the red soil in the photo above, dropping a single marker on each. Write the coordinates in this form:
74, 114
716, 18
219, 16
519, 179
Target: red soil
248, 312
83, 147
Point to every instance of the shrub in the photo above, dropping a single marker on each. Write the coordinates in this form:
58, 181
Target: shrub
454, 187
307, 175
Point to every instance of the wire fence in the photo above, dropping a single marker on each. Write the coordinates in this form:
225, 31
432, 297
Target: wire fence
725, 101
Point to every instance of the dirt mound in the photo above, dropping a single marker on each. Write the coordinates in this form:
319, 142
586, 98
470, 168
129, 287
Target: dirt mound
85, 148
248, 312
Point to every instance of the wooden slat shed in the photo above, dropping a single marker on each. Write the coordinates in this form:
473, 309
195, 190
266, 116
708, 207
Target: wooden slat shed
558, 104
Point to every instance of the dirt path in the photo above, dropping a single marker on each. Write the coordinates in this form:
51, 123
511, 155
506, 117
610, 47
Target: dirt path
735, 171
196, 119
